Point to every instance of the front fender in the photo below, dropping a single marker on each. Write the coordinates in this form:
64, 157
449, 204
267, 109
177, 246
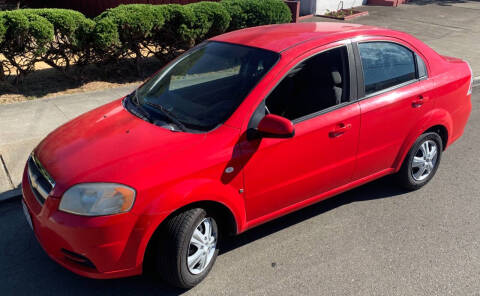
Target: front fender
197, 190
183, 194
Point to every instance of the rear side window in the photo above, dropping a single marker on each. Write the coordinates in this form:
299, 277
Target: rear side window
385, 64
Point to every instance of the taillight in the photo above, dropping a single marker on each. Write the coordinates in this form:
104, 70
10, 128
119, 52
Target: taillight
471, 79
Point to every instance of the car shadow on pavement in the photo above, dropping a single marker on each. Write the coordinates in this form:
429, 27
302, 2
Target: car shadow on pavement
382, 188
27, 270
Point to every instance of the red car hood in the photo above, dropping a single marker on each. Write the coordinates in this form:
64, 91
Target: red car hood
108, 144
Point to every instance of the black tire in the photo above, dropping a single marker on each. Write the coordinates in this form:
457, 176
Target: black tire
173, 245
405, 176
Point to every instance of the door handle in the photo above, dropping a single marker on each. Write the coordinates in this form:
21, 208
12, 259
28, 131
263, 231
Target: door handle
419, 101
340, 129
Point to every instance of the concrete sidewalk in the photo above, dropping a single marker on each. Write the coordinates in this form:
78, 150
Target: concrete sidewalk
451, 28
23, 125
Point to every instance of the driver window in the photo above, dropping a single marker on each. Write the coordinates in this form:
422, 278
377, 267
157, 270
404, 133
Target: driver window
315, 84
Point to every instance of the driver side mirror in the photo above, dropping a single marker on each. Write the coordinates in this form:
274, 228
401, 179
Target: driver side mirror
274, 126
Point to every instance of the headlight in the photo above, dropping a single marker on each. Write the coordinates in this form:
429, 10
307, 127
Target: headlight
97, 199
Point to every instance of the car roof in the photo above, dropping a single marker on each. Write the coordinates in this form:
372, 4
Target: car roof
283, 36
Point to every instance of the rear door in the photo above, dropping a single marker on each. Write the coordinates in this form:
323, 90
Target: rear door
394, 93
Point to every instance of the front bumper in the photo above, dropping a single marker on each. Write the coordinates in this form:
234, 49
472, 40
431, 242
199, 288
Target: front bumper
95, 247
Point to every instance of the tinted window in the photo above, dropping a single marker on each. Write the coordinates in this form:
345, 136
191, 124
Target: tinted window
385, 65
206, 85
209, 68
311, 86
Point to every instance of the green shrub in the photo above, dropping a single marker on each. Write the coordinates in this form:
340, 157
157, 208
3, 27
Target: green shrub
71, 37
26, 39
63, 37
70, 26
40, 33
212, 19
135, 25
3, 28
250, 13
3, 31
178, 32
179, 27
105, 36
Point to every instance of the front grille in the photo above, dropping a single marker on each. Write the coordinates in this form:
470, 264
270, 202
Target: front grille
40, 181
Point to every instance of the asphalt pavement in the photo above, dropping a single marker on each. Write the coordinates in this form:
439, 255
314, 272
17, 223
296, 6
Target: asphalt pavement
373, 240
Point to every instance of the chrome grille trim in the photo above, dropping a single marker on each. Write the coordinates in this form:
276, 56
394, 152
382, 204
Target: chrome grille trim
40, 181
42, 170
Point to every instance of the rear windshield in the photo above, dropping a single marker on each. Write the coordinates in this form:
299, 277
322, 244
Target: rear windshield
205, 86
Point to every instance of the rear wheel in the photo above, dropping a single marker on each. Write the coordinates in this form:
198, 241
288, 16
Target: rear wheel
421, 162
187, 248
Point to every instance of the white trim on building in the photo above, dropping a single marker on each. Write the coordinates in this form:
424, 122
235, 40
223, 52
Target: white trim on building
321, 6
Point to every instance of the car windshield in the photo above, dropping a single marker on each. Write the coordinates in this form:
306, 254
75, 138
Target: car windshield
205, 86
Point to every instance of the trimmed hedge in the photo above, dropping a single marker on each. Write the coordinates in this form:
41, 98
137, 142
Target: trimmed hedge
27, 38
62, 38
251, 13
70, 37
125, 28
3, 28
177, 33
212, 18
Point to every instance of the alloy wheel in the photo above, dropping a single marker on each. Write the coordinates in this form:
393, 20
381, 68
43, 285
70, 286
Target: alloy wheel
202, 246
424, 161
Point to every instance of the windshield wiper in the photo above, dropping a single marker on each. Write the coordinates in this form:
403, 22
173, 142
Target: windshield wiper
142, 113
168, 114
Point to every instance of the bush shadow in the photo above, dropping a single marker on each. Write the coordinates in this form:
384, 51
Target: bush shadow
48, 81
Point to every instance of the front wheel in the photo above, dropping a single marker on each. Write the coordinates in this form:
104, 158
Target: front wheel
187, 248
421, 162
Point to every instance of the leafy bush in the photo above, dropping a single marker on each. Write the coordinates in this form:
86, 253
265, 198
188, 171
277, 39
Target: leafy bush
250, 13
212, 19
3, 28
27, 38
135, 25
178, 32
105, 35
71, 37
61, 37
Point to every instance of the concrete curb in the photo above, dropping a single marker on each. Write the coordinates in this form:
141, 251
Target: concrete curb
476, 81
11, 194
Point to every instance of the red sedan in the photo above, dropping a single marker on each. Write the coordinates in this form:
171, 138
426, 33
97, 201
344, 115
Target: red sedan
242, 129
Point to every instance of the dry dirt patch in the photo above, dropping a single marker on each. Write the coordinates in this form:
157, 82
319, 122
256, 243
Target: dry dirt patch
48, 82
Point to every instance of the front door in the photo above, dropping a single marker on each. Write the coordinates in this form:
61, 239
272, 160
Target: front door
282, 173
